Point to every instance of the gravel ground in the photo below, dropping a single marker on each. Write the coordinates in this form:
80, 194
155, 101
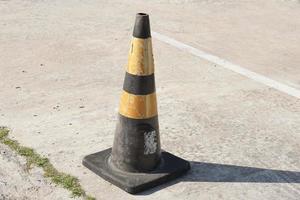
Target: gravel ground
61, 67
19, 183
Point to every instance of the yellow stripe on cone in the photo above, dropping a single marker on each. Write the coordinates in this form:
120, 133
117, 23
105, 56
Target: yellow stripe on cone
140, 61
138, 106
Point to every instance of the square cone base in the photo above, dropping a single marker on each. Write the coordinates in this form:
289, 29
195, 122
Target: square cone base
170, 167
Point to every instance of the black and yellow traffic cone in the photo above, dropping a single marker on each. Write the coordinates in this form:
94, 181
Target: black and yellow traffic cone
136, 162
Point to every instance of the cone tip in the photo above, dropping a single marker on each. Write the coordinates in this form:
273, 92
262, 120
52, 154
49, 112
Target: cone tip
142, 26
142, 14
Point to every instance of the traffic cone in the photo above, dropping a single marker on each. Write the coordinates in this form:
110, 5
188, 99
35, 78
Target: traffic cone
136, 162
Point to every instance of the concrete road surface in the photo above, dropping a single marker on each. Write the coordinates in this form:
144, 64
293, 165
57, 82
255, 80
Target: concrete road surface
62, 68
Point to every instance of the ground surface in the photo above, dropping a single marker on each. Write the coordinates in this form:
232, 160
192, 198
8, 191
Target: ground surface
17, 182
61, 67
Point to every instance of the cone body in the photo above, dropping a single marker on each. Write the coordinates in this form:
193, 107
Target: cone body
136, 145
136, 162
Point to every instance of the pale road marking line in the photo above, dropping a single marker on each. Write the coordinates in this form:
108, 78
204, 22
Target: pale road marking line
228, 65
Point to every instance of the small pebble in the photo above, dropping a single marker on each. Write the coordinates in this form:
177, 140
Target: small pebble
56, 107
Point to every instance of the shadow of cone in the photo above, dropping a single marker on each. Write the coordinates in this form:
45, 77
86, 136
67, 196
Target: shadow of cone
136, 162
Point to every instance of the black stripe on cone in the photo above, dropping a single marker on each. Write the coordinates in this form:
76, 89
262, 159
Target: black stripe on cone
139, 85
136, 162
129, 152
142, 26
